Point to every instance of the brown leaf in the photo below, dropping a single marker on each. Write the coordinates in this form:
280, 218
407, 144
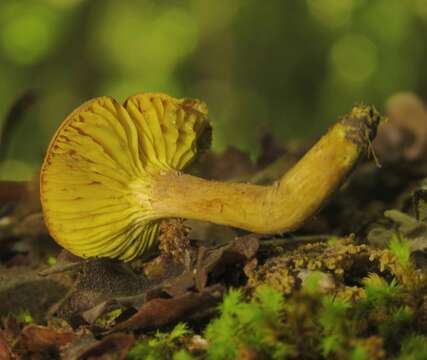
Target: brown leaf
244, 247
116, 345
161, 268
208, 260
409, 112
405, 135
201, 275
176, 286
4, 348
13, 191
11, 328
91, 315
215, 260
160, 312
165, 280
37, 338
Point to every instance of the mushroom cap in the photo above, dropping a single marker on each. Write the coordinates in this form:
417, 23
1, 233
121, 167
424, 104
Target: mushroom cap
96, 179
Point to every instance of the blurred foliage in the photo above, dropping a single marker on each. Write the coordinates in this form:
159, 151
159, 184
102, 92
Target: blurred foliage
287, 66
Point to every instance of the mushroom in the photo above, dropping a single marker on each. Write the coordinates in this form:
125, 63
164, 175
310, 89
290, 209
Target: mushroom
113, 171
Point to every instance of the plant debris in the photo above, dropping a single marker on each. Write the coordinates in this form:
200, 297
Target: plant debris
112, 346
157, 313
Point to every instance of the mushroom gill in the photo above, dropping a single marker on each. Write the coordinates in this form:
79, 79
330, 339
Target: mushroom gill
97, 176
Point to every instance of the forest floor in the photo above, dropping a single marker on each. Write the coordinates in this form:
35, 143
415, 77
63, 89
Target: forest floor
350, 284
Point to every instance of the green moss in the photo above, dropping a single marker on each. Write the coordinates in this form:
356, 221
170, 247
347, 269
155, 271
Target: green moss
248, 325
107, 319
308, 322
297, 305
401, 249
333, 241
414, 347
25, 317
182, 355
161, 345
51, 260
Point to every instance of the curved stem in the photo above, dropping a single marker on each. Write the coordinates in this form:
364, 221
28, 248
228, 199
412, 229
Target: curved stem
284, 205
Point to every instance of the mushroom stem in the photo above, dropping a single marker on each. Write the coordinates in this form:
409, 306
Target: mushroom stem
284, 205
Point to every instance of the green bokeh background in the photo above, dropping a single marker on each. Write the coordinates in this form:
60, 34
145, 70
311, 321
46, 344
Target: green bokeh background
290, 66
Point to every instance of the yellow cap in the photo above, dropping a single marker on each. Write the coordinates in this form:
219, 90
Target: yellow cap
97, 174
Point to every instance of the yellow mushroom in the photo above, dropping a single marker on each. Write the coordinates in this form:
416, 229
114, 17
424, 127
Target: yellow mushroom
113, 171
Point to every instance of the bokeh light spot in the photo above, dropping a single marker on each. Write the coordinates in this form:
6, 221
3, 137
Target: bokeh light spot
28, 35
141, 41
388, 21
421, 8
354, 58
331, 13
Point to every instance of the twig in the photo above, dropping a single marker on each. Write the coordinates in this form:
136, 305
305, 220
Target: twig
291, 240
60, 268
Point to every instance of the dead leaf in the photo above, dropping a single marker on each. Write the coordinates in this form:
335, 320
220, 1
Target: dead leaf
161, 268
408, 111
404, 224
160, 312
91, 315
405, 135
35, 338
116, 345
164, 278
209, 260
11, 328
174, 287
5, 353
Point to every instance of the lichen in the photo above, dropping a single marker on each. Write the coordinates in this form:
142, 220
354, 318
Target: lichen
342, 262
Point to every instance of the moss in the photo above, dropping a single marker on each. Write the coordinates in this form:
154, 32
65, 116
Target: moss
414, 347
25, 317
107, 319
161, 345
248, 327
51, 260
311, 325
335, 299
326, 300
